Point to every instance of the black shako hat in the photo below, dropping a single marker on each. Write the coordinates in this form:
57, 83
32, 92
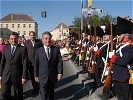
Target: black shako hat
114, 30
124, 26
99, 31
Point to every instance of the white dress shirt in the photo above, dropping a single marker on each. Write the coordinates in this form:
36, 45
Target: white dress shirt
47, 52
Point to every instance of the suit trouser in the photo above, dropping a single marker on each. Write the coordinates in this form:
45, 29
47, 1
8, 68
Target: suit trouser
18, 89
31, 72
47, 91
122, 90
131, 92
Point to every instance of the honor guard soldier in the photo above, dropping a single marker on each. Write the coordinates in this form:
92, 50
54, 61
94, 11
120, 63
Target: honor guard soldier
122, 58
121, 76
84, 42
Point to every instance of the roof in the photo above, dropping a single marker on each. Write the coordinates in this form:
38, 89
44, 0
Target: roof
63, 25
17, 17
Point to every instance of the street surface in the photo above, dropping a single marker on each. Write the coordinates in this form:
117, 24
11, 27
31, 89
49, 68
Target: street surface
69, 88
73, 86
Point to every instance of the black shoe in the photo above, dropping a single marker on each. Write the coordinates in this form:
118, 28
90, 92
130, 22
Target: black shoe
35, 93
99, 85
36, 88
83, 71
13, 98
90, 76
102, 97
105, 97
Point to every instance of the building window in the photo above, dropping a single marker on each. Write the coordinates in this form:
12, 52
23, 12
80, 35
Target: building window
24, 33
18, 25
59, 30
1, 25
24, 25
12, 25
29, 25
18, 32
66, 30
64, 34
6, 25
1, 32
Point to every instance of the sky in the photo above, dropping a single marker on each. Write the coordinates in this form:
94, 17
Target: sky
62, 10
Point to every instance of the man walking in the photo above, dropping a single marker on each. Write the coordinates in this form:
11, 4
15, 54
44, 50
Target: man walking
32, 44
13, 69
48, 67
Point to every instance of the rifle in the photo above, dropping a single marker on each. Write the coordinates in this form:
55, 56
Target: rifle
94, 64
0, 84
79, 48
84, 49
89, 55
88, 60
108, 79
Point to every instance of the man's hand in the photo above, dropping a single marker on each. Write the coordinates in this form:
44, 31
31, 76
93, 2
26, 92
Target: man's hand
0, 79
0, 82
24, 81
59, 77
37, 79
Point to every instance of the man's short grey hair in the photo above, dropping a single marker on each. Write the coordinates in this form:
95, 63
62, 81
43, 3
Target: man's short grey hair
48, 33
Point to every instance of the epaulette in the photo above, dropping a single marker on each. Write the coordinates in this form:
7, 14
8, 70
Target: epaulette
121, 47
106, 43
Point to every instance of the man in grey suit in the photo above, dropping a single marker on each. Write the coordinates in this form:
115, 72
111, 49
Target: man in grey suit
13, 68
48, 67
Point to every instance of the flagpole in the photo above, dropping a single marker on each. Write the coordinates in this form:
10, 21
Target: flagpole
81, 17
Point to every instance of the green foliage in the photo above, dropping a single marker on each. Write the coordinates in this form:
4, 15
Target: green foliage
106, 19
95, 21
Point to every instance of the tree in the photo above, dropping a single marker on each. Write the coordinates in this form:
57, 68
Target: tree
95, 21
105, 20
76, 27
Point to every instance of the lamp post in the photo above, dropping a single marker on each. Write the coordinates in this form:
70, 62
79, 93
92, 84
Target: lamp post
81, 17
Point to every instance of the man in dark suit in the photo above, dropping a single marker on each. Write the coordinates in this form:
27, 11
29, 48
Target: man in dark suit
48, 67
13, 69
32, 44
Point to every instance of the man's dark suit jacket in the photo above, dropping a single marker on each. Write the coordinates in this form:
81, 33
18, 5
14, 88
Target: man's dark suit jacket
31, 49
48, 69
15, 66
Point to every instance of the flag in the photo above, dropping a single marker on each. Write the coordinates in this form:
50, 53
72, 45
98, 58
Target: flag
85, 3
89, 3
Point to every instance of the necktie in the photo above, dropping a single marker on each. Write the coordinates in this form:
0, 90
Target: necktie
12, 51
47, 52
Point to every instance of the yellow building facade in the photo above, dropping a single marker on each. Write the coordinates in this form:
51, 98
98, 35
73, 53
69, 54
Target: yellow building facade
20, 23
